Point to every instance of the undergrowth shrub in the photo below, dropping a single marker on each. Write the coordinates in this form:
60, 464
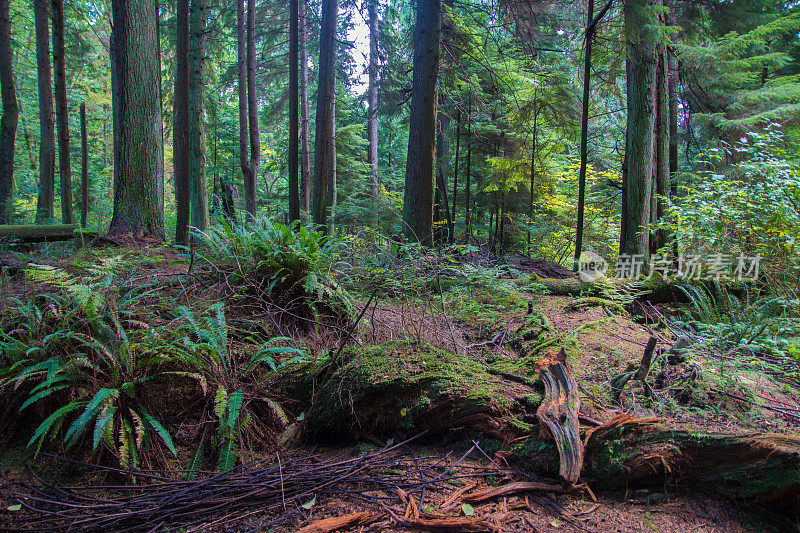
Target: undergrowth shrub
85, 370
87, 376
761, 331
234, 379
289, 266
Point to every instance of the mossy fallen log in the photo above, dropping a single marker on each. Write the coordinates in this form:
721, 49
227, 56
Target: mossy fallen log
37, 233
411, 386
406, 387
655, 289
754, 468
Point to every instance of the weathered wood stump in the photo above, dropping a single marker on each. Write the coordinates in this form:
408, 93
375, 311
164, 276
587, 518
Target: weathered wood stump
558, 413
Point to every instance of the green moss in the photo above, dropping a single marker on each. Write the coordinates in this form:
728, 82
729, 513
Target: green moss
402, 384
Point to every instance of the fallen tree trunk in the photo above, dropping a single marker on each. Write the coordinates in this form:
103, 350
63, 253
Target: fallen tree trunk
658, 290
401, 387
756, 468
410, 386
37, 233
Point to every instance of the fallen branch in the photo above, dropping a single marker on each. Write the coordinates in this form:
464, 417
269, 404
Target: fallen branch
640, 374
329, 525
510, 488
447, 525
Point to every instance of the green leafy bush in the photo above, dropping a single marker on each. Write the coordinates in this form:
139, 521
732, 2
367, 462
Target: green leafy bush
290, 266
88, 379
751, 207
237, 375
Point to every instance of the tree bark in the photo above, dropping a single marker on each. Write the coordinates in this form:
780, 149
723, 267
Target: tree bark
8, 124
467, 232
84, 168
324, 140
455, 176
180, 123
533, 165
62, 117
372, 8
662, 139
420, 161
47, 146
642, 63
294, 193
333, 182
672, 97
587, 67
305, 120
138, 140
248, 105
198, 195
440, 195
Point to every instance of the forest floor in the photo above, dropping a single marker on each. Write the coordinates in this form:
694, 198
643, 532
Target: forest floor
477, 323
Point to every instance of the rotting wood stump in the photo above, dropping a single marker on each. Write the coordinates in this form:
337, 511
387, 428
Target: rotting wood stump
558, 413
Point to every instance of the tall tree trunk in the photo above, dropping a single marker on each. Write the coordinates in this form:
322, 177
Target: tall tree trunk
252, 107
8, 124
333, 183
455, 175
372, 92
587, 67
294, 193
138, 140
248, 105
467, 232
84, 169
21, 113
47, 145
672, 98
198, 196
62, 117
180, 123
324, 140
418, 197
440, 198
662, 149
641, 43
244, 139
533, 165
305, 119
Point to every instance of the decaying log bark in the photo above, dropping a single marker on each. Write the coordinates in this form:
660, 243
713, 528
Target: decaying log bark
37, 233
399, 385
755, 468
558, 413
337, 523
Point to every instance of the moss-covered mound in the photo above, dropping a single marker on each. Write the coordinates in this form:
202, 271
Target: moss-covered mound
401, 385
